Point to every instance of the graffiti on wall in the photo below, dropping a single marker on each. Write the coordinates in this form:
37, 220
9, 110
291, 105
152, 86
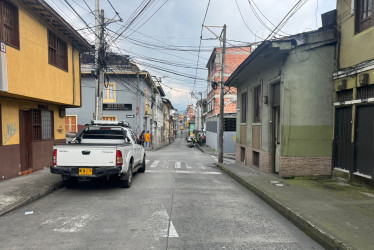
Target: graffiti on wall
10, 132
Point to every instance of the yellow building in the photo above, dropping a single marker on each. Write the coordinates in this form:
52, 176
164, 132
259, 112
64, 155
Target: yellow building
39, 78
354, 90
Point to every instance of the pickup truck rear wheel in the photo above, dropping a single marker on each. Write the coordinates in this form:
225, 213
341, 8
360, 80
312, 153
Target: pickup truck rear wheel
126, 180
142, 168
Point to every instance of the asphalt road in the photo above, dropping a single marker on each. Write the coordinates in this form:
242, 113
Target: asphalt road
183, 201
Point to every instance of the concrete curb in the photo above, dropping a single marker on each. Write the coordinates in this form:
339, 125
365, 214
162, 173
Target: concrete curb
33, 197
324, 238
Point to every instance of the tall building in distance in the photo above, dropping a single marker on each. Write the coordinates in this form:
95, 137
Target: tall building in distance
233, 58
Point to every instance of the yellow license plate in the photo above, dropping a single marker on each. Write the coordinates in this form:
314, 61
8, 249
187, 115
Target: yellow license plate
85, 171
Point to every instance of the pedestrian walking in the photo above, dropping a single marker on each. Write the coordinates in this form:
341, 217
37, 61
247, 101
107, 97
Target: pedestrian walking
142, 138
147, 138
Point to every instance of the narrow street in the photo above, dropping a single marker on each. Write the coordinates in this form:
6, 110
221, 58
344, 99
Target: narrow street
183, 201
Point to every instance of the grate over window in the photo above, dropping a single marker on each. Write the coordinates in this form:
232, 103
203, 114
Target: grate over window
229, 124
42, 124
211, 126
345, 95
365, 92
9, 27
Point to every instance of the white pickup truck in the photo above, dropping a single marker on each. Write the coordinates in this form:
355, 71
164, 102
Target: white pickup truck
102, 149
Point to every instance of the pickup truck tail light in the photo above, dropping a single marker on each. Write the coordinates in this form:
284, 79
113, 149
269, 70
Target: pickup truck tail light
119, 158
55, 157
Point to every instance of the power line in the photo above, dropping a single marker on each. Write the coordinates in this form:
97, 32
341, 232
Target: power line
201, 37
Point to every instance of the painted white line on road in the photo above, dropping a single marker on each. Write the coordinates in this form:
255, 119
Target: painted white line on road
154, 164
185, 172
146, 161
188, 166
181, 172
177, 164
160, 220
201, 166
70, 224
210, 173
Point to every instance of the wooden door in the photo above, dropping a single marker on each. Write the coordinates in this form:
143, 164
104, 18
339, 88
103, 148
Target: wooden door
25, 139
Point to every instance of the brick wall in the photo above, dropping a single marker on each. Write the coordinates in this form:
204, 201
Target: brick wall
234, 57
289, 166
305, 166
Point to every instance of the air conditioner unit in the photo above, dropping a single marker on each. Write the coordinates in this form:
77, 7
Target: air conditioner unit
363, 79
342, 84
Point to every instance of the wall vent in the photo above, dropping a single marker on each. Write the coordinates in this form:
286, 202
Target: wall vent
342, 84
364, 79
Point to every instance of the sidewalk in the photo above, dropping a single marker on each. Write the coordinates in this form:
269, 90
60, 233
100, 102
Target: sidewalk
19, 191
337, 214
208, 150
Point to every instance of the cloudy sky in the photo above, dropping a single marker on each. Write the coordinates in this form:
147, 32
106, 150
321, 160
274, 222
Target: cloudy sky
165, 38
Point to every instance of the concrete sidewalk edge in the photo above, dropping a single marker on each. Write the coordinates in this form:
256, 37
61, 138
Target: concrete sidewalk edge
324, 238
29, 199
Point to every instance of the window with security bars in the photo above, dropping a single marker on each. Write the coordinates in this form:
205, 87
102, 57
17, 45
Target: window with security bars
229, 124
42, 125
365, 92
9, 25
345, 95
57, 52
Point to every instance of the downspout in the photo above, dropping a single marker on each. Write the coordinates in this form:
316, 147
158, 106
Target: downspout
73, 71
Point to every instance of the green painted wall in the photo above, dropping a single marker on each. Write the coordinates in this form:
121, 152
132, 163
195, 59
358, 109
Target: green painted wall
308, 141
352, 50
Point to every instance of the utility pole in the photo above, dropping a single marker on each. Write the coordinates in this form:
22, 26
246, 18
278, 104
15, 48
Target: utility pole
221, 99
99, 59
138, 104
222, 89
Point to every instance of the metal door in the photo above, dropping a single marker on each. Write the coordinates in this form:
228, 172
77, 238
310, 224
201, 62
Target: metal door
343, 146
365, 140
276, 138
275, 127
25, 139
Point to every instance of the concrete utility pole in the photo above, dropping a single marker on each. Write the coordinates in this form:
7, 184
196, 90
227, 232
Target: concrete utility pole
99, 58
222, 88
221, 99
138, 104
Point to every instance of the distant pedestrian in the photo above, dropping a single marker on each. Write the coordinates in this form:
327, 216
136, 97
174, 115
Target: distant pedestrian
142, 138
203, 139
147, 138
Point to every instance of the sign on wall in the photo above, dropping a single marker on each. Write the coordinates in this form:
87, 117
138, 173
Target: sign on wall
117, 106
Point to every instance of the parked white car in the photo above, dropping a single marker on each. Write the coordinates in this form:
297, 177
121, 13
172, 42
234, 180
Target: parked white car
102, 149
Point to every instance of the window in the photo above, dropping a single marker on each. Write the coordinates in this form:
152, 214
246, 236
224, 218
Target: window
9, 26
57, 52
243, 108
229, 124
109, 93
110, 118
42, 124
364, 15
257, 104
